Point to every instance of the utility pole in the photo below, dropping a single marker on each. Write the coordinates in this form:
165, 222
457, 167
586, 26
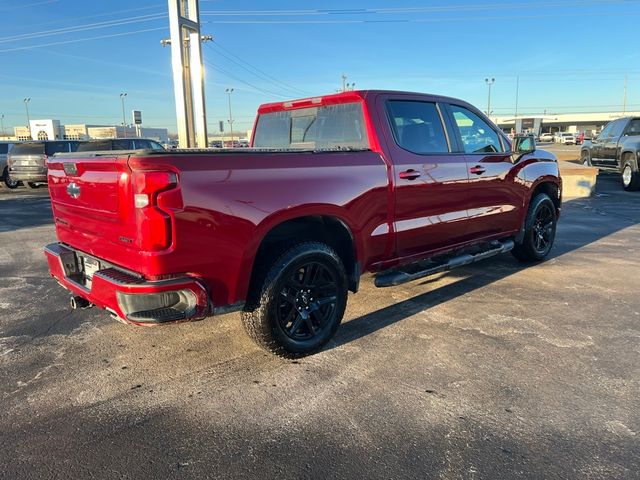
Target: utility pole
344, 82
229, 91
26, 106
624, 97
489, 82
124, 121
516, 115
188, 72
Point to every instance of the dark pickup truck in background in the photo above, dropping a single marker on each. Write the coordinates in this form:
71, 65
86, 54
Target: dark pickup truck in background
616, 148
402, 185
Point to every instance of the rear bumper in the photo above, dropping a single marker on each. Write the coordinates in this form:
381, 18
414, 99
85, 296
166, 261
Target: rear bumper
28, 174
127, 295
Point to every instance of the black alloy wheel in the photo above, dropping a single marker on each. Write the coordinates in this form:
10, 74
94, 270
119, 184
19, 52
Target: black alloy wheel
307, 301
297, 299
539, 230
543, 228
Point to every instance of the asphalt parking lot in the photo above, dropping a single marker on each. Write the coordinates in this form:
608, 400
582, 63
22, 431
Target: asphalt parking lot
491, 371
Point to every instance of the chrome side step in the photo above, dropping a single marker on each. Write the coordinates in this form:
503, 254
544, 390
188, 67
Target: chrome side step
398, 276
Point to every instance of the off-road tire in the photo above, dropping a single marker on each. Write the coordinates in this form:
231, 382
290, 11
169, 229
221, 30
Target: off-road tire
272, 294
585, 159
530, 248
6, 180
630, 176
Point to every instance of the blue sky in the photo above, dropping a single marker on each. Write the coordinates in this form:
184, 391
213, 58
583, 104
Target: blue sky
570, 56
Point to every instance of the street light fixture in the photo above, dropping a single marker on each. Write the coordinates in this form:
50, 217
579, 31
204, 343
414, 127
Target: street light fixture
229, 91
124, 128
489, 82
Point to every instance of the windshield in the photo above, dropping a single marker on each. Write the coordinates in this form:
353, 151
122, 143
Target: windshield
319, 128
36, 148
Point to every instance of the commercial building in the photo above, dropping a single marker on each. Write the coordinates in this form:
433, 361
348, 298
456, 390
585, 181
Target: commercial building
50, 129
589, 123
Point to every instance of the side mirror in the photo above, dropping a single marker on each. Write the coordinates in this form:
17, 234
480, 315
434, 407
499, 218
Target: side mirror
524, 144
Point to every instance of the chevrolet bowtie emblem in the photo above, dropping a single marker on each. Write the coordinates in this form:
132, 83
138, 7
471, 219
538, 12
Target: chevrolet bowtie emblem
73, 190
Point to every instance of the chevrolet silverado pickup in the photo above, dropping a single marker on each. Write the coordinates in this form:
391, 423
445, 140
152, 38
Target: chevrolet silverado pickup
401, 185
616, 148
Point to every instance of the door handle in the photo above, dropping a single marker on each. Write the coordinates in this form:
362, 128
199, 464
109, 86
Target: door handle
477, 170
410, 174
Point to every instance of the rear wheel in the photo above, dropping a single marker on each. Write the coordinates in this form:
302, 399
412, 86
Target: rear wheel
630, 176
299, 302
6, 179
585, 159
32, 185
539, 230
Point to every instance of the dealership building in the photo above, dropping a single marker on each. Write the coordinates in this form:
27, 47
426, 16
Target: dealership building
50, 129
588, 123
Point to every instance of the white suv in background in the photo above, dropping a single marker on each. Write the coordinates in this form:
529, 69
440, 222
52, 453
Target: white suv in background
565, 138
546, 137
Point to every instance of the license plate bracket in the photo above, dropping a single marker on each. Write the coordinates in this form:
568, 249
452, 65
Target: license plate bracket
89, 266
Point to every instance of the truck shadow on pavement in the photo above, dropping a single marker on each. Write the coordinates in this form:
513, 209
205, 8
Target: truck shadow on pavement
582, 222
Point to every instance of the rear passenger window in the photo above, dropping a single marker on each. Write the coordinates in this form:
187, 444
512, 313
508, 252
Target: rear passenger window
56, 147
477, 135
4, 148
417, 127
634, 127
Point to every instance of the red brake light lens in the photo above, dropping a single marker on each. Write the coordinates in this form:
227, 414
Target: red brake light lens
154, 224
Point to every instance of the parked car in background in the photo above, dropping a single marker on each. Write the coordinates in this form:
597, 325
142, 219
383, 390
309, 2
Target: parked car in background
579, 138
27, 161
546, 137
616, 148
565, 138
402, 185
119, 144
7, 181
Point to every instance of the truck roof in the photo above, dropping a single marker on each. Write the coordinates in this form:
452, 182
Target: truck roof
341, 97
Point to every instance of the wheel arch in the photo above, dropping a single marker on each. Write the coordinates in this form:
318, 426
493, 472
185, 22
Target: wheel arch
274, 235
623, 159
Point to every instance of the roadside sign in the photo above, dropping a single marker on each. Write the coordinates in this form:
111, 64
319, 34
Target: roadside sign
221, 126
137, 117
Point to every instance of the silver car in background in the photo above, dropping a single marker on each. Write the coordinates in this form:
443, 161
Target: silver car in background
7, 181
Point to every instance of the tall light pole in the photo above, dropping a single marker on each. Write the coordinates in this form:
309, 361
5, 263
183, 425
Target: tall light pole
124, 128
229, 91
489, 82
2, 124
26, 106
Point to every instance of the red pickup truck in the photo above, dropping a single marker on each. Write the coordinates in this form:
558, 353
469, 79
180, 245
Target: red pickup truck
399, 184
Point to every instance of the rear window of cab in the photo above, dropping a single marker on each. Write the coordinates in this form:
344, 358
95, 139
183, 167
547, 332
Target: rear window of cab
328, 127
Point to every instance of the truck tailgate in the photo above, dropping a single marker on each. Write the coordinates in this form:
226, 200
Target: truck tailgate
91, 199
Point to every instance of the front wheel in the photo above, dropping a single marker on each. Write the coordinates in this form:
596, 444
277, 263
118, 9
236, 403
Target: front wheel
585, 159
32, 185
630, 177
299, 302
539, 230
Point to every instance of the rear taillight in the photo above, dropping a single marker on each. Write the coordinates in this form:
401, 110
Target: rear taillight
154, 224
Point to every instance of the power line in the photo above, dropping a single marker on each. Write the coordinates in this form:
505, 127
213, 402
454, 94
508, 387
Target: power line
413, 10
238, 79
80, 28
77, 40
256, 71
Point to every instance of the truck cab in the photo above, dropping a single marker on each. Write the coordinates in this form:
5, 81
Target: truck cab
616, 148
